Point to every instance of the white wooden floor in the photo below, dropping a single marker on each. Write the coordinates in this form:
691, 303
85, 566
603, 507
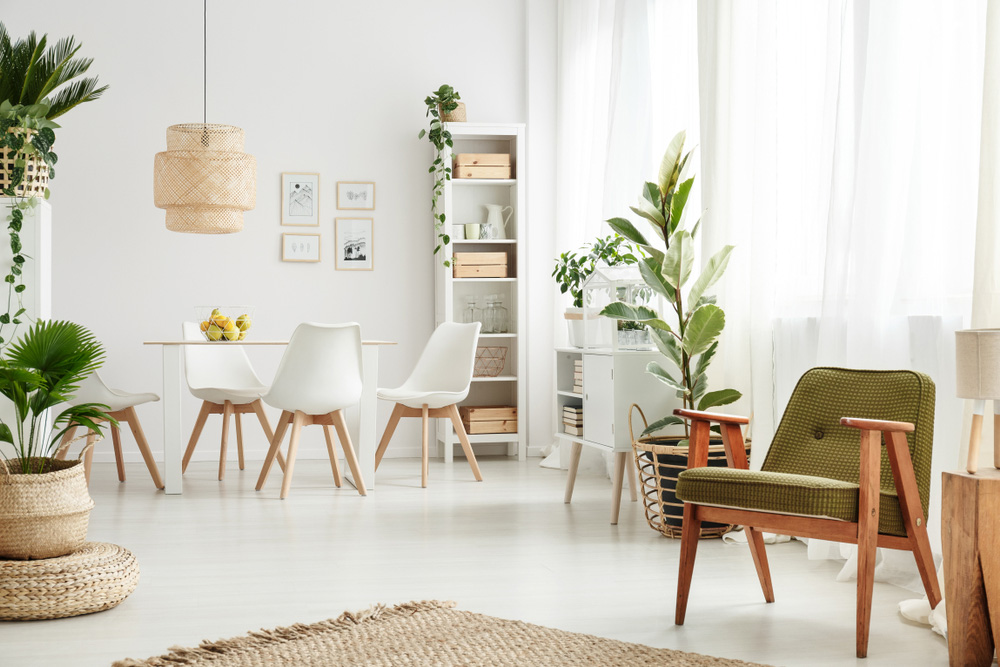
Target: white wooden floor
223, 559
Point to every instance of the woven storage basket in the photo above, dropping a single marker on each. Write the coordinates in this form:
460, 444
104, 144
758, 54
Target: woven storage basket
95, 577
456, 116
36, 172
490, 361
43, 515
659, 461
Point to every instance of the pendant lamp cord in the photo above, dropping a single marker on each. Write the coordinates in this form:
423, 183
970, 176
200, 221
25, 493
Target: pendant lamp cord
204, 62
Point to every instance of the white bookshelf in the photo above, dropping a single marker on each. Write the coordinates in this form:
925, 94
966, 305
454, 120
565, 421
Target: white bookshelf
463, 202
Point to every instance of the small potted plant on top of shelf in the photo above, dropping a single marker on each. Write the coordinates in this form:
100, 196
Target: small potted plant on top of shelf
442, 106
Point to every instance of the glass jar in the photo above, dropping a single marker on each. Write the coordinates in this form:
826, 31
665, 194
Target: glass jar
501, 318
469, 313
489, 315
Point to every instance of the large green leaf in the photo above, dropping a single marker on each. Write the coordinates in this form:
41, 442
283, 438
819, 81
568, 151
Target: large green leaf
654, 216
678, 202
651, 193
679, 260
625, 228
619, 310
704, 327
710, 275
662, 424
706, 357
720, 397
666, 343
657, 371
649, 269
670, 162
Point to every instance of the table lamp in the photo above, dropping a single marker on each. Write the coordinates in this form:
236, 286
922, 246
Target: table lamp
977, 369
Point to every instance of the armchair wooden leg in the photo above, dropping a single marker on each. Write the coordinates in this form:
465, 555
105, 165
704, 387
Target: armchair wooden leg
690, 533
293, 447
390, 428
227, 411
456, 421
143, 444
199, 424
345, 444
279, 433
328, 434
116, 440
424, 444
258, 408
239, 438
64, 443
574, 464
868, 477
756, 541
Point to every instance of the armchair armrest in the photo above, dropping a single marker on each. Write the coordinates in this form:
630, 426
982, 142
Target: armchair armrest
876, 425
701, 415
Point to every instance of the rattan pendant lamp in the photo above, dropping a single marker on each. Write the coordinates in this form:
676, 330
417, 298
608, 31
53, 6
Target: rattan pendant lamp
204, 180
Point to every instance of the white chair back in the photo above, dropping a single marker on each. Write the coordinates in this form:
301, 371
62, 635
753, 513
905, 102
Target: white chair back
446, 364
93, 390
219, 365
320, 371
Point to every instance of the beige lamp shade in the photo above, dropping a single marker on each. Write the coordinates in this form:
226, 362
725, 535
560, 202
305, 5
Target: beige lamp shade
204, 180
977, 363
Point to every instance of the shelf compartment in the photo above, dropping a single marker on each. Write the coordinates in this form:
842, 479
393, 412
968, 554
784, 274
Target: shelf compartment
498, 378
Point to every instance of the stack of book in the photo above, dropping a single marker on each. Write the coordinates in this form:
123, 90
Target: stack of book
578, 376
572, 420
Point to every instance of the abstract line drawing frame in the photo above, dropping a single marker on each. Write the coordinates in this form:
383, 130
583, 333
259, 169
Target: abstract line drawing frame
354, 241
300, 199
300, 248
356, 195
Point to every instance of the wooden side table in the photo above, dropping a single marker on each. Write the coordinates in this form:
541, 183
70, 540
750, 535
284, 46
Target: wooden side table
970, 536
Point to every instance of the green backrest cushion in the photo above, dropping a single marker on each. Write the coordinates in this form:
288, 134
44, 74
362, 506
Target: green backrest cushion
811, 441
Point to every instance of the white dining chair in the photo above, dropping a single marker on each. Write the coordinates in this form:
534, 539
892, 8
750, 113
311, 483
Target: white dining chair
121, 407
319, 375
222, 377
439, 382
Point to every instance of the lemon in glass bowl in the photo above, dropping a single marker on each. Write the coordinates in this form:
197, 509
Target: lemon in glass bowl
225, 324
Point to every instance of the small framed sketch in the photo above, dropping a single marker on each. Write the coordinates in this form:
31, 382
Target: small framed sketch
300, 199
354, 196
300, 247
354, 238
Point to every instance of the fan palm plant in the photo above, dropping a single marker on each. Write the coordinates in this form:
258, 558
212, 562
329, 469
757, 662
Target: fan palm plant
31, 72
41, 371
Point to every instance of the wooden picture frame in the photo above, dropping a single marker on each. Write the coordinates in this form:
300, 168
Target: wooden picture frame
354, 241
299, 199
356, 195
301, 248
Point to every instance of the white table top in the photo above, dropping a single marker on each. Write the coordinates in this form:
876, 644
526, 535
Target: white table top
246, 342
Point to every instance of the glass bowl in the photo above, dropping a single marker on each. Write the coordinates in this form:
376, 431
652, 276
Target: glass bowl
225, 324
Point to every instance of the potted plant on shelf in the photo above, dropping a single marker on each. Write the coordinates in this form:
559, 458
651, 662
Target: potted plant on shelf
441, 104
573, 267
44, 503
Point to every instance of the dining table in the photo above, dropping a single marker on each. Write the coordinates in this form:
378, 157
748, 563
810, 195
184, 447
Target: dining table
360, 419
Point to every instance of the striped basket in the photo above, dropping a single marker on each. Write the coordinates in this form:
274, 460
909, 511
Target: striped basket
659, 459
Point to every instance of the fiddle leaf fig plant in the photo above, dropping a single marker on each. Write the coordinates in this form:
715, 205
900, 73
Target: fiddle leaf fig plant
441, 101
690, 339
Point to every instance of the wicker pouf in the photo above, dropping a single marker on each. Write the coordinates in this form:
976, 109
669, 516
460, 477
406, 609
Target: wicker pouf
95, 577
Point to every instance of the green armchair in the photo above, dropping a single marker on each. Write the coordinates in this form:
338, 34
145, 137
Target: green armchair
818, 482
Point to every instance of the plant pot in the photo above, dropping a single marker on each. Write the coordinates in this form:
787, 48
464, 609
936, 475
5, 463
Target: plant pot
589, 330
634, 339
456, 116
43, 515
36, 172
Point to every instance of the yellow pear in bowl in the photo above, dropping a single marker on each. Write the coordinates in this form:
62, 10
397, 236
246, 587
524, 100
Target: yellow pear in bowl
204, 326
214, 332
243, 322
230, 331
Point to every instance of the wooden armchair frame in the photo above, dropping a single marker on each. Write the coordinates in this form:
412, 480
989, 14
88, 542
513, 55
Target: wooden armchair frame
863, 533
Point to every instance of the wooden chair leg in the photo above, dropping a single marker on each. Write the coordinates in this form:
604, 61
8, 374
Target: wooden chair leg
258, 408
868, 510
756, 541
574, 465
345, 444
690, 533
328, 434
633, 483
293, 447
239, 438
617, 478
456, 421
64, 443
88, 459
424, 444
390, 428
227, 411
140, 440
272, 451
116, 440
199, 424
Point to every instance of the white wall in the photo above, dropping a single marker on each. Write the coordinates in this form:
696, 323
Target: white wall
326, 86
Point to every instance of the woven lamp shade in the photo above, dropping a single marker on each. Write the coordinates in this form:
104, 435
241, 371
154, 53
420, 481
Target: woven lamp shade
204, 180
977, 363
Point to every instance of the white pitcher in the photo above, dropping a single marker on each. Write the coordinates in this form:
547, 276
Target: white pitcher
496, 223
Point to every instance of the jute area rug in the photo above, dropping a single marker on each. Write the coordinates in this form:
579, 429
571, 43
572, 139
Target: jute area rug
421, 633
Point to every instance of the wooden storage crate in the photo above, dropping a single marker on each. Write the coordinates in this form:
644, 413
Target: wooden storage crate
481, 165
479, 419
479, 265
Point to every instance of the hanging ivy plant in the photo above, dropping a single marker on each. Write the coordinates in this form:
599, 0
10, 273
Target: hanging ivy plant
442, 101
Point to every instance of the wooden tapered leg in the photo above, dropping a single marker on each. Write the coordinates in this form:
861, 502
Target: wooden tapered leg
199, 424
345, 444
227, 411
390, 428
239, 439
328, 434
456, 421
116, 440
616, 490
690, 533
293, 448
424, 444
756, 541
868, 510
574, 464
140, 440
258, 408
65, 442
633, 483
88, 458
272, 452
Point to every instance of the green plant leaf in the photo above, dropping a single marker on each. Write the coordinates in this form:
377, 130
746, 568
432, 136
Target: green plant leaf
710, 275
704, 327
650, 271
670, 162
624, 311
625, 228
5, 434
720, 397
679, 260
705, 359
657, 371
662, 424
666, 343
677, 203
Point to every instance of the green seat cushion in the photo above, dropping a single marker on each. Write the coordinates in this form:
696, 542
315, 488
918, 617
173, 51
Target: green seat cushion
784, 493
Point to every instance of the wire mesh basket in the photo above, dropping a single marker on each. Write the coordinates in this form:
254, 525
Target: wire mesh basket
490, 361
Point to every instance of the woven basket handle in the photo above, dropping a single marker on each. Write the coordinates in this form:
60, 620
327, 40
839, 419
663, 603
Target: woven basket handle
645, 424
83, 450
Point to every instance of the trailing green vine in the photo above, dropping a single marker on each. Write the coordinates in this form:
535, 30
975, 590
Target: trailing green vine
442, 101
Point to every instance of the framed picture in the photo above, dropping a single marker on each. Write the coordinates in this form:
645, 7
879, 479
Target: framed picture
300, 248
354, 239
355, 196
300, 199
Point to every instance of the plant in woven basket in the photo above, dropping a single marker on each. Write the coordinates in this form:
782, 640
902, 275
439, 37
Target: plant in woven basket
691, 339
41, 371
441, 101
